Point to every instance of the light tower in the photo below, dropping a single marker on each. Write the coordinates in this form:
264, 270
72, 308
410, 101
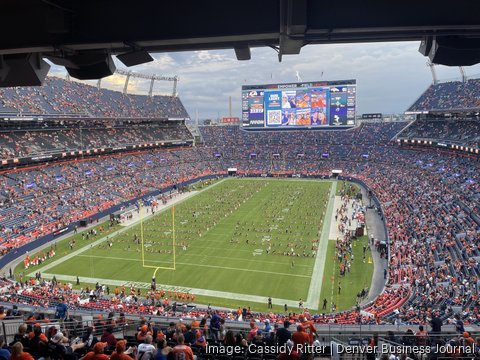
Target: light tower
152, 78
434, 72
127, 79
463, 74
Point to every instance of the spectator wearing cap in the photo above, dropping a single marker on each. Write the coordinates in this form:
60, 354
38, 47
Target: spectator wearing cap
61, 347
18, 353
253, 331
300, 337
268, 327
309, 327
467, 339
199, 334
142, 333
97, 353
120, 353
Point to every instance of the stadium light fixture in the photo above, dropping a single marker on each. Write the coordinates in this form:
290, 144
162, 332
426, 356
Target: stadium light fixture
135, 57
23, 70
243, 52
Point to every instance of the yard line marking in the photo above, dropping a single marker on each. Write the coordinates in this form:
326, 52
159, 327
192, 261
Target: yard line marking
195, 265
249, 260
203, 292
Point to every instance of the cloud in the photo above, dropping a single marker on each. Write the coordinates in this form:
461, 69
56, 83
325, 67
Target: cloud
390, 76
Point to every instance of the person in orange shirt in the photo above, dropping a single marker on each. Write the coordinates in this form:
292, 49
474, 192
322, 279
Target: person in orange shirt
119, 353
37, 331
309, 328
253, 331
300, 337
18, 354
97, 353
421, 337
467, 339
38, 342
199, 338
182, 351
143, 333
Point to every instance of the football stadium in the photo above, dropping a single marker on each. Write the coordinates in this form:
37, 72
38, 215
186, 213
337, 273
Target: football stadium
295, 227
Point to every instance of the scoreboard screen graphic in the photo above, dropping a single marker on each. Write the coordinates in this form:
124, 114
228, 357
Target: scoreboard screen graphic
306, 104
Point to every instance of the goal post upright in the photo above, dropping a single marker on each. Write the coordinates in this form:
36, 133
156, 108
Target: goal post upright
141, 233
173, 235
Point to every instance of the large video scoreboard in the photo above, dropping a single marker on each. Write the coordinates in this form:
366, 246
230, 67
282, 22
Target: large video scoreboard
307, 104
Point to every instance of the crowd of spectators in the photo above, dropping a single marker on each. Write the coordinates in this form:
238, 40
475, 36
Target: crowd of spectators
454, 95
463, 132
58, 96
25, 143
431, 204
116, 337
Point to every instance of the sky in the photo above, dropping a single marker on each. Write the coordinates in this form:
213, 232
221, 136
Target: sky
390, 76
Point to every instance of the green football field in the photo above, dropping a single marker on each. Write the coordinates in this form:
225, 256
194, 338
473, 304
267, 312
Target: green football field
234, 243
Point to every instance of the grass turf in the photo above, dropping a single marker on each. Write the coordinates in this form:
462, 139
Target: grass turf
359, 277
214, 227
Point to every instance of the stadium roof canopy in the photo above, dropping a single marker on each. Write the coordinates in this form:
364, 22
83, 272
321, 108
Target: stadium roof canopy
82, 34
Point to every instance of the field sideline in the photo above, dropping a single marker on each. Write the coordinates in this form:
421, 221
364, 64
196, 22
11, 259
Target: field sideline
232, 241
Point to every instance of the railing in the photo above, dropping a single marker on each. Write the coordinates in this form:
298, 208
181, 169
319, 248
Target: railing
73, 327
345, 334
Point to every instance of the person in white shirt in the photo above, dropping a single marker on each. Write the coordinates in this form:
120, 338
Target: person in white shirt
146, 350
